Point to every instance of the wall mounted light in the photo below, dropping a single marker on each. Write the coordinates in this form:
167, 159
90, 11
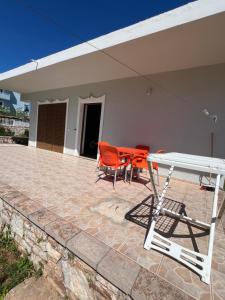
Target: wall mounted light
213, 120
149, 91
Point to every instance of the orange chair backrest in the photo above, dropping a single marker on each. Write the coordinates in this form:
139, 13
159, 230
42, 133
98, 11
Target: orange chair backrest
143, 147
102, 143
138, 162
109, 155
154, 164
99, 146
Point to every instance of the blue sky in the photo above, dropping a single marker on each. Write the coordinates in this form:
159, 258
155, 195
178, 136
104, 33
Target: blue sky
28, 30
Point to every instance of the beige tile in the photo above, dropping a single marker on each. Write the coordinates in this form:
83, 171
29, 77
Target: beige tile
67, 187
183, 278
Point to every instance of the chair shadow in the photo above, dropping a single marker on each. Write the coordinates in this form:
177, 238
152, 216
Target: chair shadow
142, 180
110, 176
166, 225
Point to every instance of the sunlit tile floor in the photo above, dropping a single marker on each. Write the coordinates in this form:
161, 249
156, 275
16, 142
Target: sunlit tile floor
67, 186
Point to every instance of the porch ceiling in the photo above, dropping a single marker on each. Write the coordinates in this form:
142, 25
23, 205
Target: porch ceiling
187, 37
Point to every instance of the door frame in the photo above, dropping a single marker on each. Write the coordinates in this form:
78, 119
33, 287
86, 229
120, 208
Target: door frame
55, 101
80, 110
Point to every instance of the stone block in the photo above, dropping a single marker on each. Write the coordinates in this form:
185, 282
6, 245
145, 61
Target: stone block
150, 286
11, 196
88, 248
4, 189
26, 206
77, 280
2, 221
103, 289
36, 260
62, 230
6, 216
25, 246
54, 250
17, 224
40, 252
8, 207
53, 273
1, 204
119, 270
34, 233
42, 217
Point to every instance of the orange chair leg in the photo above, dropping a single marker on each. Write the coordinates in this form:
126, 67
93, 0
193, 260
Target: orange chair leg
114, 181
131, 174
125, 174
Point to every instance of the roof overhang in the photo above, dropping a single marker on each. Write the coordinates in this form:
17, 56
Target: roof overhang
187, 37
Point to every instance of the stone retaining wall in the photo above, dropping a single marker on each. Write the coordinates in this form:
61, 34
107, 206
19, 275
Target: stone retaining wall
19, 130
79, 266
14, 140
6, 140
70, 275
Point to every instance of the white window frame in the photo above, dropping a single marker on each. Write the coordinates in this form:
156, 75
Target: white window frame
81, 103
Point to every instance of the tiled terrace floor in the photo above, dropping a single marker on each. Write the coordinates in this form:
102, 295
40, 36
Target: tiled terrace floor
66, 186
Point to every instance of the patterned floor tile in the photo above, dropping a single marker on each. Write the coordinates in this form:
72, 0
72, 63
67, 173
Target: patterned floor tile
119, 218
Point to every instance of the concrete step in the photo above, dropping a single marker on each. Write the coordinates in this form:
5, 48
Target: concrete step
35, 289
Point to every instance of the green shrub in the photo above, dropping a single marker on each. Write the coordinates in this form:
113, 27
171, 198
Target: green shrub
6, 131
14, 267
26, 133
9, 132
2, 131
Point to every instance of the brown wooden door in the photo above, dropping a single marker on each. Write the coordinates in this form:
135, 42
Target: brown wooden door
59, 127
51, 126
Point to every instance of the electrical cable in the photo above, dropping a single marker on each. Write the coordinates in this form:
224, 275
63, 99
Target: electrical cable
48, 18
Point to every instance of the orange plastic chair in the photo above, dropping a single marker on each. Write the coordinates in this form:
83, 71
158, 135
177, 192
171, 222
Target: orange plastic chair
143, 147
139, 161
99, 163
110, 158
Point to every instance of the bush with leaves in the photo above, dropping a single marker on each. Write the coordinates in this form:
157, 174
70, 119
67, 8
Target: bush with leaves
26, 133
14, 267
4, 110
22, 114
6, 131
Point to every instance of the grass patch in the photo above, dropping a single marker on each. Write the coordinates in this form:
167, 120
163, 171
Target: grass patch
14, 266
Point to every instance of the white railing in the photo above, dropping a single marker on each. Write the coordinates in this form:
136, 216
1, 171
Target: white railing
14, 123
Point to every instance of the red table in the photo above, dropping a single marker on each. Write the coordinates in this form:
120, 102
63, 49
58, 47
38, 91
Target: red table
132, 151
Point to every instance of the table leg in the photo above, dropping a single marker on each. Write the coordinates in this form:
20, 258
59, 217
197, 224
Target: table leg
160, 200
152, 179
206, 274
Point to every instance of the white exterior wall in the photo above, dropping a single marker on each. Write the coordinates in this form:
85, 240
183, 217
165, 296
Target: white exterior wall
170, 118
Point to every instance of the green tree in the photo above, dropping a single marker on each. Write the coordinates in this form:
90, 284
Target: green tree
4, 111
20, 113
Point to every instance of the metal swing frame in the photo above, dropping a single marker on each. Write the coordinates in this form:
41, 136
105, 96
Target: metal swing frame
198, 262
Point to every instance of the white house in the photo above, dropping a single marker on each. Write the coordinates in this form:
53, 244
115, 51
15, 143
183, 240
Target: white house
145, 84
13, 121
11, 101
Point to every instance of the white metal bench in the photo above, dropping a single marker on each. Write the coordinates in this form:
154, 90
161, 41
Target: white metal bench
196, 261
